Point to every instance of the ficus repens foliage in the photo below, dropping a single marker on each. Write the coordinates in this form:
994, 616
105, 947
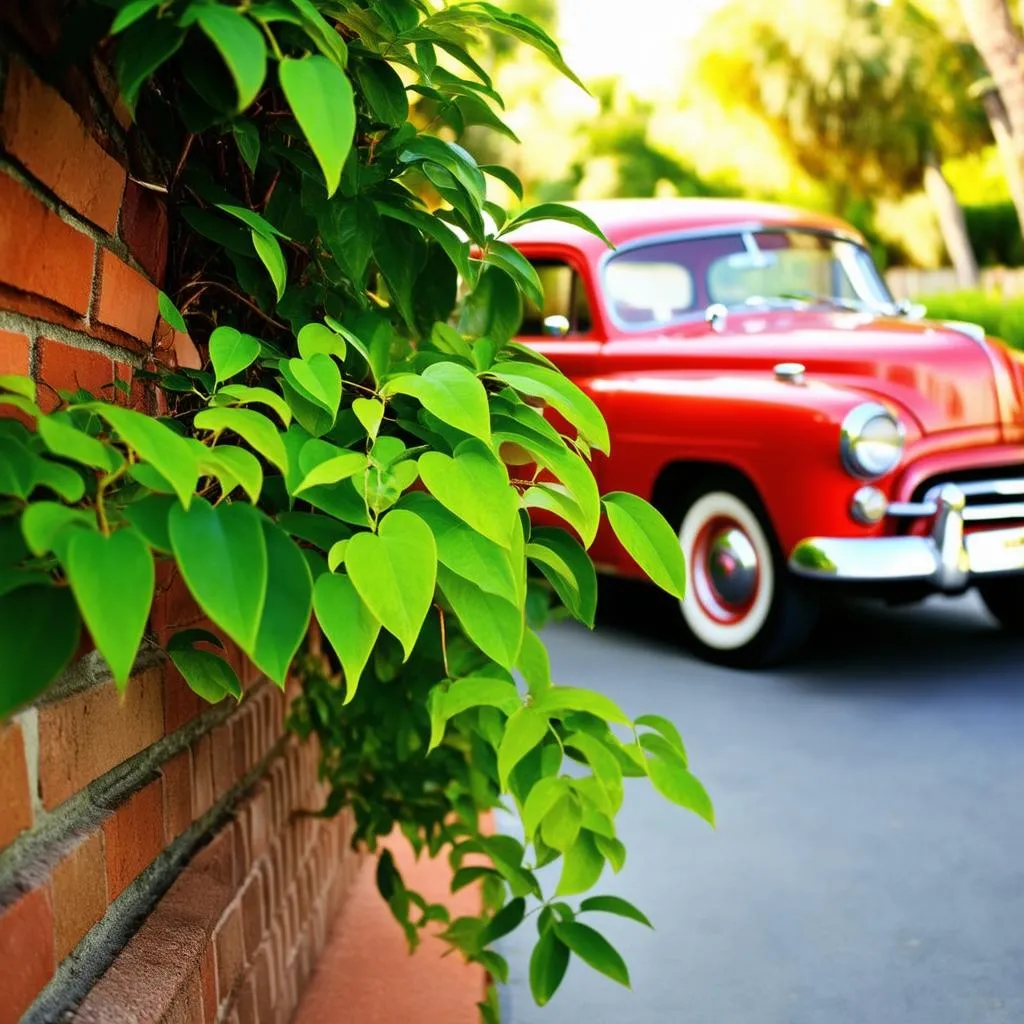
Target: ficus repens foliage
336, 485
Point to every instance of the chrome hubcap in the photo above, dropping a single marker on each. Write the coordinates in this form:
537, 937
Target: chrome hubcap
732, 567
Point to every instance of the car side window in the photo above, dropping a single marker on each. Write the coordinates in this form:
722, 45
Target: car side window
566, 309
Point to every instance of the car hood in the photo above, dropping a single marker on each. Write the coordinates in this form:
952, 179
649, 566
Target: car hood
939, 374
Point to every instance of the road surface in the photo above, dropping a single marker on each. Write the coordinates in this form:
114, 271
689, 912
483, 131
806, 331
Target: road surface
868, 865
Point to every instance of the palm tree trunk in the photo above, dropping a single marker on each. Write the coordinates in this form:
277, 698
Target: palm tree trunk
1013, 167
951, 223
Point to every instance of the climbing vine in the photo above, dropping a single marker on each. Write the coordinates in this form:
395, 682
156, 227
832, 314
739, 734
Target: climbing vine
359, 485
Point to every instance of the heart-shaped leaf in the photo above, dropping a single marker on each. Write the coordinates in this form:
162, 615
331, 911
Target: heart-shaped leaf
206, 673
492, 623
474, 486
253, 427
269, 251
112, 578
288, 605
222, 555
452, 393
240, 45
394, 572
347, 622
44, 521
231, 352
317, 378
317, 338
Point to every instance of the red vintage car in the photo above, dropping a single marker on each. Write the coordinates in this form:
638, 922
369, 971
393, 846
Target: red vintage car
799, 427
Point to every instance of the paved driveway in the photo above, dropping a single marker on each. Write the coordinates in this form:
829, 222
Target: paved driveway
868, 866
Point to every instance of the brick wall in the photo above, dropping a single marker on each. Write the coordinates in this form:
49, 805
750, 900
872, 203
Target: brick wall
152, 865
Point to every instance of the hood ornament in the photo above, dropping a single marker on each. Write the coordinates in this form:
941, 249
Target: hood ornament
790, 373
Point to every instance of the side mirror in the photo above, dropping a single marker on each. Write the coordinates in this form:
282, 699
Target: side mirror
557, 326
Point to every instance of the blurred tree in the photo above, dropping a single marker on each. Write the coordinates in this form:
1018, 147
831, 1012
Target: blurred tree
867, 98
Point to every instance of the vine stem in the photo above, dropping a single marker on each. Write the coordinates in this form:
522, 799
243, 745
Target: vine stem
241, 298
444, 641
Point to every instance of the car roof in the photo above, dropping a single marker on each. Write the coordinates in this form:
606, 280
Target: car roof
626, 220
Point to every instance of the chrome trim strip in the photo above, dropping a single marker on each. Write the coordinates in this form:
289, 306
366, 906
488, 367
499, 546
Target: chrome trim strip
988, 513
979, 488
911, 509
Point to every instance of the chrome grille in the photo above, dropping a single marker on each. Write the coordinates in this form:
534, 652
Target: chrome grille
986, 501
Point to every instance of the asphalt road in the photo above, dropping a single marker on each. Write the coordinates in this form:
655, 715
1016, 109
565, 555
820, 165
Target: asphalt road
868, 865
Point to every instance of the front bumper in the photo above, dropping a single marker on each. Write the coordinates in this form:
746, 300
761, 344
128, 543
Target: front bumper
948, 559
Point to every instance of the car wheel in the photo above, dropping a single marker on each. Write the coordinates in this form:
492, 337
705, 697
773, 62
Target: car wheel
742, 606
1004, 598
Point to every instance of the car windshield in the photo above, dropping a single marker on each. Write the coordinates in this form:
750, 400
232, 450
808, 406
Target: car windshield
668, 281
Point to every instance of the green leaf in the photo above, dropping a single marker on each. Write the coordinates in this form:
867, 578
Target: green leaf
534, 664
606, 768
464, 551
671, 778
321, 98
62, 480
241, 45
206, 673
370, 413
252, 427
394, 572
506, 177
130, 13
560, 827
40, 633
144, 48
613, 851
252, 219
523, 731
222, 554
560, 699
546, 792
289, 602
469, 692
383, 90
349, 625
327, 40
569, 570
494, 309
452, 393
231, 352
323, 531
506, 920
113, 579
614, 905
332, 470
593, 949
154, 442
474, 486
149, 516
648, 539
18, 385
319, 339
43, 523
548, 964
666, 730
317, 378
63, 438
17, 468
492, 623
561, 394
557, 211
240, 394
509, 259
169, 311
269, 251
455, 248
247, 138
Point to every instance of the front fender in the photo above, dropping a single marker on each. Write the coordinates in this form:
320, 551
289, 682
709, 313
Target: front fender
783, 437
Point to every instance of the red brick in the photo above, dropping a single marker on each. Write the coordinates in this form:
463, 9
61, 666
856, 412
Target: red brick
208, 979
217, 858
245, 1004
239, 746
252, 915
26, 953
177, 773
41, 254
13, 353
127, 301
202, 776
263, 977
65, 368
15, 797
46, 136
144, 229
133, 836
79, 894
181, 702
223, 760
89, 733
259, 820
240, 828
230, 949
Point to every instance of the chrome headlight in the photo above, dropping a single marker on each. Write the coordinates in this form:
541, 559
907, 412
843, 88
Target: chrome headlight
870, 441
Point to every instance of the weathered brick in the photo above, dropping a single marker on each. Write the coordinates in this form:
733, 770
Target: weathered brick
79, 893
15, 798
217, 858
13, 353
252, 915
223, 760
177, 774
208, 979
46, 136
26, 952
202, 776
245, 1003
133, 836
66, 368
144, 229
43, 255
230, 949
263, 976
239, 747
127, 301
87, 734
181, 702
